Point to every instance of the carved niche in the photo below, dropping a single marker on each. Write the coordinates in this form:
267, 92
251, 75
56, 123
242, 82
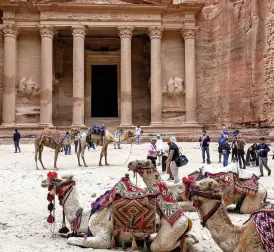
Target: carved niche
173, 94
27, 88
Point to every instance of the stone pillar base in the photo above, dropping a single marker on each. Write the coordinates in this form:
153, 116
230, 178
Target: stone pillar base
43, 125
126, 125
156, 124
193, 124
8, 125
78, 125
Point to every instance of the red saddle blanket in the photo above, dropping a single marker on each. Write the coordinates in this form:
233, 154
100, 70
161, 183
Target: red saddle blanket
264, 223
49, 134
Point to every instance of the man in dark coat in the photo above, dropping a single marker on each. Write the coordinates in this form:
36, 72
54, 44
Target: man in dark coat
16, 139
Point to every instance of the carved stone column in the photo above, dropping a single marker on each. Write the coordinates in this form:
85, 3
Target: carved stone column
46, 76
126, 93
9, 74
190, 75
155, 34
78, 118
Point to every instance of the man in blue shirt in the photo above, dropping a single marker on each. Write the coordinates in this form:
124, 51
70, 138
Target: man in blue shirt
220, 142
263, 150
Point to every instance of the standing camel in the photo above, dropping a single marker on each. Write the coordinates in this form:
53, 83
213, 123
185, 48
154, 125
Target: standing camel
53, 139
104, 140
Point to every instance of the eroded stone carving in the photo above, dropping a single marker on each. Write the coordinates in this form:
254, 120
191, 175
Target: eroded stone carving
46, 31
173, 93
10, 30
125, 31
78, 30
55, 84
189, 32
155, 32
27, 88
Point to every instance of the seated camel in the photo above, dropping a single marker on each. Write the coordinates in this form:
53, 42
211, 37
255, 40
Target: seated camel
255, 235
104, 218
246, 203
53, 139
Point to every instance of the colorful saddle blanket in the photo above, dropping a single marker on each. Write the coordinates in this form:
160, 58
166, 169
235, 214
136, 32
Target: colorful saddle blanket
51, 136
96, 129
264, 223
134, 208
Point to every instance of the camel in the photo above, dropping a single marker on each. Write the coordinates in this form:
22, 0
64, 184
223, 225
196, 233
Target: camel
248, 205
208, 199
100, 223
53, 139
104, 140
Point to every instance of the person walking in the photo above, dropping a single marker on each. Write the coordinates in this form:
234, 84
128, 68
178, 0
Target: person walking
117, 143
164, 153
67, 144
240, 143
173, 154
234, 154
152, 151
159, 145
138, 134
16, 139
225, 152
263, 150
204, 144
220, 142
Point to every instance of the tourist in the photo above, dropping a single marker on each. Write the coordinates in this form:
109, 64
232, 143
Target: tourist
76, 142
164, 153
67, 144
234, 154
159, 145
117, 135
225, 132
173, 154
152, 151
252, 156
138, 134
240, 142
220, 142
16, 139
168, 164
204, 144
236, 132
225, 152
263, 150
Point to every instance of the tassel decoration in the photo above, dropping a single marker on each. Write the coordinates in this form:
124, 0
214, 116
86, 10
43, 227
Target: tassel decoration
133, 244
123, 244
145, 247
113, 243
131, 221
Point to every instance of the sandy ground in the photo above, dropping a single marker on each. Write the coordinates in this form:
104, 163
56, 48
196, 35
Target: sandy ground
23, 225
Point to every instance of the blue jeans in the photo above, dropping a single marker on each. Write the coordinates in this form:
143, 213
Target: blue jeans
91, 145
68, 150
138, 139
225, 157
205, 149
16, 145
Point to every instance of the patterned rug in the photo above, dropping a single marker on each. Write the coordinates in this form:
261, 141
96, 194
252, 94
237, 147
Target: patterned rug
264, 222
124, 192
249, 186
225, 180
51, 135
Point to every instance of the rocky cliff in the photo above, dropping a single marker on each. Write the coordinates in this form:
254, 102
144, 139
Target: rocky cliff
235, 63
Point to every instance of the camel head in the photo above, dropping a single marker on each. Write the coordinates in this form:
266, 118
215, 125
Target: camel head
206, 189
58, 186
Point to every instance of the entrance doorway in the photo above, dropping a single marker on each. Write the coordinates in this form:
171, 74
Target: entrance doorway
104, 95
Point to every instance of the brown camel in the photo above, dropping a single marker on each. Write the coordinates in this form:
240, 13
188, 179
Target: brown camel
103, 140
53, 139
207, 197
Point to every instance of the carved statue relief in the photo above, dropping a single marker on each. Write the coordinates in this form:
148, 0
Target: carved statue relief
173, 94
27, 88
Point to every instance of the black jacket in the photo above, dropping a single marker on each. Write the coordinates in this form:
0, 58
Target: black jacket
16, 136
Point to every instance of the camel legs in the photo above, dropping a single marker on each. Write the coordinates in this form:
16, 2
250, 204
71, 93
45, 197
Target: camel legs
39, 149
103, 153
57, 149
102, 242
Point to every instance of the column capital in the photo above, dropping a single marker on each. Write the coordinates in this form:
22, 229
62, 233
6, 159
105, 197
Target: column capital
155, 31
125, 31
10, 30
189, 32
78, 31
46, 31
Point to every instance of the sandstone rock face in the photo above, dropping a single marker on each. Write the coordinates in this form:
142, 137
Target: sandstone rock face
234, 55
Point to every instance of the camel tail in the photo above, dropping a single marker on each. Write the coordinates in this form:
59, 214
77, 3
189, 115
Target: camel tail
189, 226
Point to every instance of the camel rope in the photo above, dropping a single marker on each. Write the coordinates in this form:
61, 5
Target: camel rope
128, 155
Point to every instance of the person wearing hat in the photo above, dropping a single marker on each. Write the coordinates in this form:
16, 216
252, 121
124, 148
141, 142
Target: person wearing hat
263, 150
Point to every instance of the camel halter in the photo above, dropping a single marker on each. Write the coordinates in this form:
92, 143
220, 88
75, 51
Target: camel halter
197, 204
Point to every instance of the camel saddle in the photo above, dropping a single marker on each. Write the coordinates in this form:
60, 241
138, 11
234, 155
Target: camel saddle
51, 135
98, 130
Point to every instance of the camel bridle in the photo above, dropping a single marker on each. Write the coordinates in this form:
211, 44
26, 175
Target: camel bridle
197, 204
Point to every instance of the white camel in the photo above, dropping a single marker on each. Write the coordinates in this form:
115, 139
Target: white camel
100, 223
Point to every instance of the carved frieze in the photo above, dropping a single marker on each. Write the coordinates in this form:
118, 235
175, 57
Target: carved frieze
46, 30
173, 94
125, 31
175, 17
8, 14
78, 30
155, 32
10, 30
27, 88
27, 16
189, 32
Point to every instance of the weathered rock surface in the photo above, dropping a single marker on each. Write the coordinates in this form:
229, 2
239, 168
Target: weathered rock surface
234, 63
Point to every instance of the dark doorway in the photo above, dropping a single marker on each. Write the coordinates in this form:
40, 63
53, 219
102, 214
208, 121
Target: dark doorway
104, 99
